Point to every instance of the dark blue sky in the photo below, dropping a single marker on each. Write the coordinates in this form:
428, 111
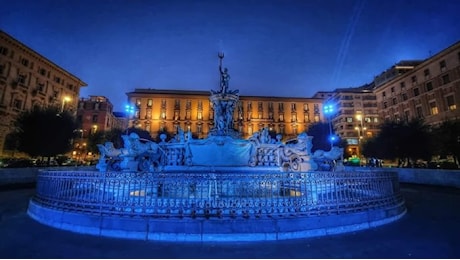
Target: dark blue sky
272, 47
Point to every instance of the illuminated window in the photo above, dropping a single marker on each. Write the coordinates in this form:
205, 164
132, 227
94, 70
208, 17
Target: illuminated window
149, 103
433, 108
451, 102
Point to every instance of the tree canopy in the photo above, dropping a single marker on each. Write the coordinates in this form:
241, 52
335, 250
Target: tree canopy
44, 132
405, 140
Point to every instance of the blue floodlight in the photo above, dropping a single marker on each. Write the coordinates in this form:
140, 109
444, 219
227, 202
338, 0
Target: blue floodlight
328, 109
129, 109
332, 138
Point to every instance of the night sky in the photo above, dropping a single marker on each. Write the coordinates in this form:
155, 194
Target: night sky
272, 48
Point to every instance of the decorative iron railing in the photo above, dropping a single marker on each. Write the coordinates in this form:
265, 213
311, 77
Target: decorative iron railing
217, 194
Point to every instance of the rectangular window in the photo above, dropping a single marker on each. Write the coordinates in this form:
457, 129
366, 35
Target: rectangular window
433, 108
260, 107
384, 94
394, 101
385, 105
177, 104
280, 107
42, 72
306, 118
57, 79
426, 73
414, 80
293, 117
176, 115
2, 69
17, 103
41, 87
3, 50
25, 62
419, 111
451, 102
416, 92
138, 102
163, 103
349, 119
443, 65
22, 79
281, 117
199, 115
293, 107
149, 102
445, 79
429, 86
404, 96
148, 114
199, 128
403, 86
305, 107
188, 104
188, 115
392, 89
94, 119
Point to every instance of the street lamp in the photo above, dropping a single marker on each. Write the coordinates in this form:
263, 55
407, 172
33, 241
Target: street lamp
328, 111
360, 128
129, 111
64, 100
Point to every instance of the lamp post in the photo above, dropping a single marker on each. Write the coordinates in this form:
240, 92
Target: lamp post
328, 111
360, 128
129, 111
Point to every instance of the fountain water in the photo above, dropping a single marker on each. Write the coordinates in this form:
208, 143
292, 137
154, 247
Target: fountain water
219, 188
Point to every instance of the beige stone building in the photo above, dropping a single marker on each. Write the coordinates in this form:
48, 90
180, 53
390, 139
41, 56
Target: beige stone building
355, 117
431, 90
28, 79
157, 110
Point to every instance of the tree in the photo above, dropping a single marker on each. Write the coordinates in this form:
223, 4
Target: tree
45, 132
405, 140
447, 139
320, 133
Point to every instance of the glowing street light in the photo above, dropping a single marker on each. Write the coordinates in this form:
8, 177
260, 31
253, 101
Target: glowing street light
64, 100
129, 112
329, 110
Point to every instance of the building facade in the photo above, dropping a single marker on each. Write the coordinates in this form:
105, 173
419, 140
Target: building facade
28, 79
431, 90
93, 114
355, 117
165, 110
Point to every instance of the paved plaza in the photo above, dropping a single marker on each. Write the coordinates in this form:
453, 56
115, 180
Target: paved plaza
430, 229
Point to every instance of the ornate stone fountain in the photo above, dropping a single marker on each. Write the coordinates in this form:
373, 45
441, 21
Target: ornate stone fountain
218, 188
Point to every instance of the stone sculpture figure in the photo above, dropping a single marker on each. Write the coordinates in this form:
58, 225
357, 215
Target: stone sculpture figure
224, 76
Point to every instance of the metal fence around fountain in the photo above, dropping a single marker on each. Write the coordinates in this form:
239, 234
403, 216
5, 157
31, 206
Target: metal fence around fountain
217, 194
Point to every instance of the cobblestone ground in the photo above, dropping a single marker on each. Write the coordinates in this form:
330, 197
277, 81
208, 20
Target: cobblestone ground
430, 229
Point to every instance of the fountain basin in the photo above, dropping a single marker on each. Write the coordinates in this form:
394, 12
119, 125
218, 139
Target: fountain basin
223, 204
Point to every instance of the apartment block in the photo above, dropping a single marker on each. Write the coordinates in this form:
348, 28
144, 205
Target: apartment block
28, 79
431, 90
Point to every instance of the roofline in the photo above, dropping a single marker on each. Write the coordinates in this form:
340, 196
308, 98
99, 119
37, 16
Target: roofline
81, 83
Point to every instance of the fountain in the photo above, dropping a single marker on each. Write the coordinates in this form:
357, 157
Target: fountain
221, 188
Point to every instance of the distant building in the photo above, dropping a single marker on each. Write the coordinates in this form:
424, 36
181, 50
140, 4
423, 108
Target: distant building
94, 114
355, 117
431, 90
28, 79
165, 110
